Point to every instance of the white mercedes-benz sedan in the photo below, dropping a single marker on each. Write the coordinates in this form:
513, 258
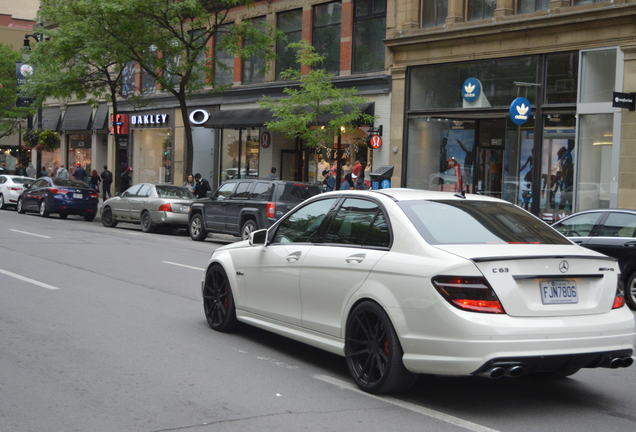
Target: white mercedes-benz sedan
402, 281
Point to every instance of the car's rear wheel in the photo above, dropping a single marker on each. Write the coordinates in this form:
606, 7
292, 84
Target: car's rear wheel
630, 290
196, 228
107, 218
147, 225
2, 204
218, 302
248, 227
373, 352
44, 209
19, 207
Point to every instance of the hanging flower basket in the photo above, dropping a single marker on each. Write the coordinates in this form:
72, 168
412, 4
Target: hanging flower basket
31, 138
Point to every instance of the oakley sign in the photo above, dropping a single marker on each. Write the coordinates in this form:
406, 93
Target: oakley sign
199, 117
148, 119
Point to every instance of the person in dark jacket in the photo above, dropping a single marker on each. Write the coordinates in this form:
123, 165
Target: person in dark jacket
107, 180
126, 179
79, 173
201, 187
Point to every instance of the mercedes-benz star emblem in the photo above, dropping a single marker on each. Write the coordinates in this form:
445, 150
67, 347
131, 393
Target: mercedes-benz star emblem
564, 266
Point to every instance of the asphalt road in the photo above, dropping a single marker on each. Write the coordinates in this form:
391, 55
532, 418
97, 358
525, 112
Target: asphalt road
103, 330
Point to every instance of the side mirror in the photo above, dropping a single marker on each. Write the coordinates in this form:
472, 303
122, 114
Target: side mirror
258, 237
27, 185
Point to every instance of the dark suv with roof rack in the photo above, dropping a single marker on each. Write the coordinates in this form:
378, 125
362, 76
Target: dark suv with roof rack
241, 206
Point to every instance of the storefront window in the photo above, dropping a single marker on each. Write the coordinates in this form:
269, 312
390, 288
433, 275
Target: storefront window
595, 161
369, 29
224, 67
527, 6
249, 153
152, 156
439, 86
290, 24
598, 75
326, 34
79, 151
239, 153
254, 66
562, 72
230, 154
51, 161
434, 12
557, 166
481, 9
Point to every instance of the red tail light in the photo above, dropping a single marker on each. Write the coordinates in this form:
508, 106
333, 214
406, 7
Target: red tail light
165, 207
94, 195
56, 191
270, 210
468, 293
619, 298
15, 188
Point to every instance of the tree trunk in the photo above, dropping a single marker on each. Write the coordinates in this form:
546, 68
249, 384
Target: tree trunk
115, 169
189, 145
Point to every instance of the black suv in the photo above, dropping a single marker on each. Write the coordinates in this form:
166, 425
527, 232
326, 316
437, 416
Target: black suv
241, 206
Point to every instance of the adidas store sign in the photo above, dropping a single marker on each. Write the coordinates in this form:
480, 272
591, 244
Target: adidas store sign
471, 89
520, 111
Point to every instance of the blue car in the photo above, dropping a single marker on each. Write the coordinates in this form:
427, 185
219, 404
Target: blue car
55, 195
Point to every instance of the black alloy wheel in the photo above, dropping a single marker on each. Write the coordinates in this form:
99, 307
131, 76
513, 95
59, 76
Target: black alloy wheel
2, 204
373, 352
196, 228
107, 218
44, 210
19, 207
218, 302
630, 291
248, 227
89, 217
146, 222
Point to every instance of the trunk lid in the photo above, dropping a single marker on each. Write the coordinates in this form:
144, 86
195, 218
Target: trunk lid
545, 280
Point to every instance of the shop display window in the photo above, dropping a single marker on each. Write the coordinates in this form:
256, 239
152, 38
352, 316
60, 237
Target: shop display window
240, 152
153, 154
290, 24
79, 152
434, 12
369, 28
326, 34
51, 161
595, 161
598, 75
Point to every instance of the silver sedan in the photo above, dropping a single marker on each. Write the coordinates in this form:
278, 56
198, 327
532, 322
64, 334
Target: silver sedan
150, 206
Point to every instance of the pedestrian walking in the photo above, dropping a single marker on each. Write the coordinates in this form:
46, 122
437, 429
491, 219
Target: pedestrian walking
62, 173
107, 180
329, 182
190, 184
19, 170
126, 179
347, 183
202, 186
94, 180
31, 171
79, 173
272, 174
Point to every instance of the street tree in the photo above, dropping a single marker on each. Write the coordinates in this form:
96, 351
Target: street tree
10, 115
169, 39
315, 111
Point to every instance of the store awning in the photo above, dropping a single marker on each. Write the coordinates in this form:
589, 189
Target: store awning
100, 122
51, 118
77, 117
255, 117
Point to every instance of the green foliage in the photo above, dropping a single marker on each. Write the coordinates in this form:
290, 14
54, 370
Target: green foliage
10, 115
46, 140
316, 111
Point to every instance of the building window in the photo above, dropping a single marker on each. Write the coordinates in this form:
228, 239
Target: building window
290, 24
326, 34
434, 12
528, 6
561, 78
128, 79
369, 29
254, 66
148, 83
582, 2
481, 9
224, 60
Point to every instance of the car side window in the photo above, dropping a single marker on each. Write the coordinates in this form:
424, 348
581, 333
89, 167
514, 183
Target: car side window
578, 226
132, 191
2, 179
302, 225
40, 183
144, 191
358, 222
225, 191
242, 191
262, 191
619, 225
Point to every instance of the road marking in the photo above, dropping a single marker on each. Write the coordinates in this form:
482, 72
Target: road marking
26, 279
447, 418
183, 265
31, 234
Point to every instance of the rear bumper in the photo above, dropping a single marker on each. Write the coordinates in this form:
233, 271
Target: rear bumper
59, 205
169, 218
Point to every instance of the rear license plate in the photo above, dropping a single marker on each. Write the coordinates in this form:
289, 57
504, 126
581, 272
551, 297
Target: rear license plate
559, 292
78, 196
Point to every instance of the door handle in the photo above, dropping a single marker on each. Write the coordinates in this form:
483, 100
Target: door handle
578, 241
357, 258
293, 257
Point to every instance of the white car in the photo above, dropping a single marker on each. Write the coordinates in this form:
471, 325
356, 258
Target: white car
11, 186
402, 282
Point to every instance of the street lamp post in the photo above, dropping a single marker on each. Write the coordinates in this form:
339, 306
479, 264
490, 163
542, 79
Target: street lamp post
37, 37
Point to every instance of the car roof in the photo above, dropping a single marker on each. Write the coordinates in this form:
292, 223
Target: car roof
12, 176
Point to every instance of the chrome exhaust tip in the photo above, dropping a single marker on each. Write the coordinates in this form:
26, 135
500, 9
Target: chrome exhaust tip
515, 371
616, 363
496, 372
627, 362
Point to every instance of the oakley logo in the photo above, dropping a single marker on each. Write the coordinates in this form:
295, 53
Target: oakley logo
564, 266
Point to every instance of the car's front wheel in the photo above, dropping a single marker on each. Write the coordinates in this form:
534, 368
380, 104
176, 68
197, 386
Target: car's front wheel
20, 208
373, 352
44, 209
248, 227
2, 204
196, 228
630, 290
147, 225
107, 218
218, 302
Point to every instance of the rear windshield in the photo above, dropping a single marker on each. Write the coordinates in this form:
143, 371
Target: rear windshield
22, 180
477, 222
297, 192
173, 192
69, 183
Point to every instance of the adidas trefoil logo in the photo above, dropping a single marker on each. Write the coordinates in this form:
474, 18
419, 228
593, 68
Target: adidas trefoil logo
523, 109
469, 89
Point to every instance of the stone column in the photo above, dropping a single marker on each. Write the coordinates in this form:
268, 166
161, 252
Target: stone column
456, 12
408, 14
396, 144
504, 8
306, 33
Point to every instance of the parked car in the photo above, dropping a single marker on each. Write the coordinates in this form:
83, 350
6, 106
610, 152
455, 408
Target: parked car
150, 206
610, 232
11, 186
402, 281
55, 195
239, 207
